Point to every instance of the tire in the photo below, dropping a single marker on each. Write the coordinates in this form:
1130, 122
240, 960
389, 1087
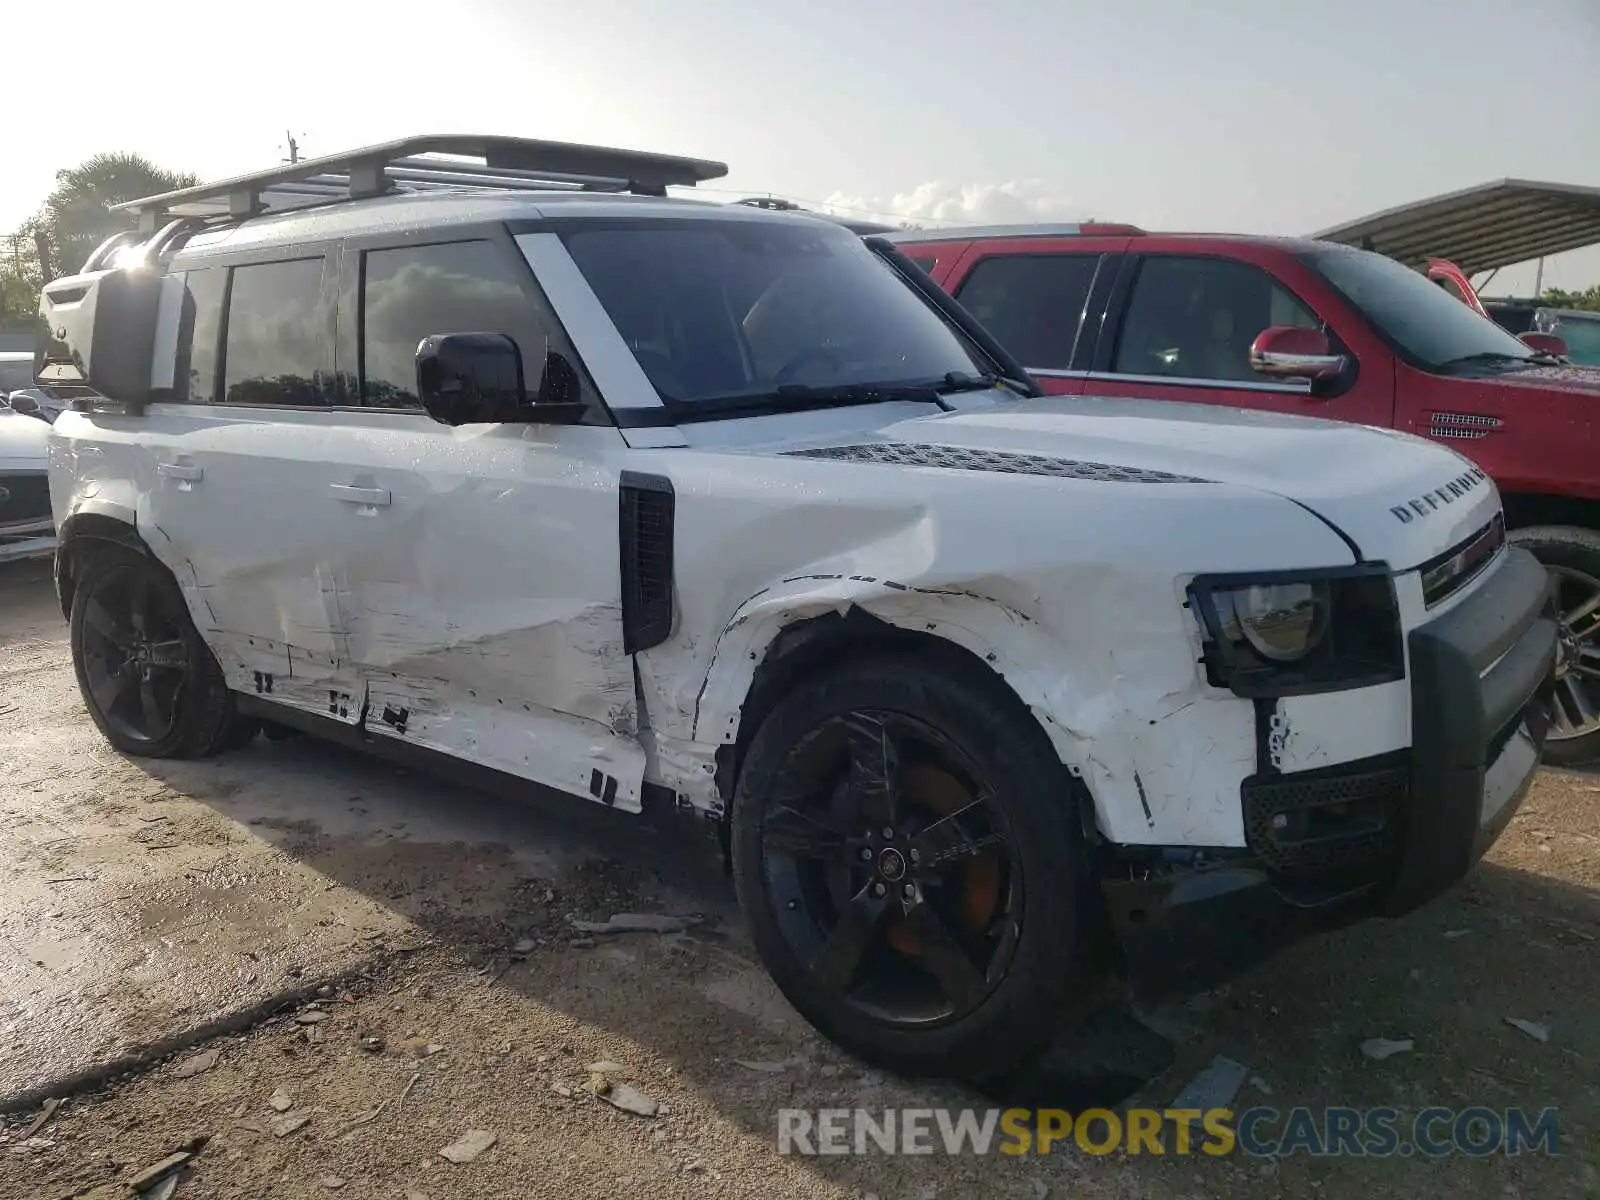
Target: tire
792, 881
1573, 556
167, 700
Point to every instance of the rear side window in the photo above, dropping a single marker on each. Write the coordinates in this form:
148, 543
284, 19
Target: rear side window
275, 334
457, 287
926, 261
1195, 318
1032, 303
199, 335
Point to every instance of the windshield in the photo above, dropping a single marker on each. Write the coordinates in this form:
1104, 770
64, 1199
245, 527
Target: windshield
729, 309
1427, 323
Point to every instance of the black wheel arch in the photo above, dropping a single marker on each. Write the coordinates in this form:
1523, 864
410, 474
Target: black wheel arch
79, 535
812, 645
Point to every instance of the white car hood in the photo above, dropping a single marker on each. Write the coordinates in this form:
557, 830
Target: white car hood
22, 442
1399, 498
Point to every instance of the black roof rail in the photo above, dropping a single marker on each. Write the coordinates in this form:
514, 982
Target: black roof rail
507, 163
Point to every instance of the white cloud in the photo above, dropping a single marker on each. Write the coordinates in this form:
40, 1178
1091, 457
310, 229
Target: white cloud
1013, 202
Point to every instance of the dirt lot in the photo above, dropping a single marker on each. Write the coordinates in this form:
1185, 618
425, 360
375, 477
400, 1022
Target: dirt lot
330, 971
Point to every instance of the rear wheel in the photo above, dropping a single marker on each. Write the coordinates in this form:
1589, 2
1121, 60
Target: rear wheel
1572, 556
147, 678
906, 849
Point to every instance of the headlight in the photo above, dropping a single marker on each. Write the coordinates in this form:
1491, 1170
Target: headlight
1296, 633
1280, 621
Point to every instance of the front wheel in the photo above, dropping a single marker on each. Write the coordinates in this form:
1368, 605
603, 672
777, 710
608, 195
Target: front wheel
906, 848
1572, 556
147, 677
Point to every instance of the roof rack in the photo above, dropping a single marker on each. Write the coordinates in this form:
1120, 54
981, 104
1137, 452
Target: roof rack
506, 164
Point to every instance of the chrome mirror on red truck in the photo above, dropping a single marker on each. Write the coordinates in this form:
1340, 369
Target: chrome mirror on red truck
1545, 343
1289, 352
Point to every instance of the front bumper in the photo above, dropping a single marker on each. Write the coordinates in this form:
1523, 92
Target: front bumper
1376, 837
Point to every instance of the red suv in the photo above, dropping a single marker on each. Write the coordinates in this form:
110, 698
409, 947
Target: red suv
1302, 326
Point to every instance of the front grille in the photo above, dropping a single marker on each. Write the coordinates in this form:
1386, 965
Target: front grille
1323, 822
24, 498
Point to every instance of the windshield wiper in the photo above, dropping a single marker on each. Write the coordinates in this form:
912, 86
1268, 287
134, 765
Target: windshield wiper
956, 381
797, 397
861, 393
1498, 356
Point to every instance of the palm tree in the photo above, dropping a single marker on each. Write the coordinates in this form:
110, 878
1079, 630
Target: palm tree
77, 215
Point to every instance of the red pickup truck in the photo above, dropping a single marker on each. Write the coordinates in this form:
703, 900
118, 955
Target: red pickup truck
1303, 326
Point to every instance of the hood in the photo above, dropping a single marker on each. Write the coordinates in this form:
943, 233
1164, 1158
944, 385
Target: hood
1567, 378
1399, 498
22, 442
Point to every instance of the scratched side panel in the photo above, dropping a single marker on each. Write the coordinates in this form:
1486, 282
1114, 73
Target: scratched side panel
482, 603
246, 537
1072, 590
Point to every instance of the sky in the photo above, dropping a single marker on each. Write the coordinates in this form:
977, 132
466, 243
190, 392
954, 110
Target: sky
1238, 115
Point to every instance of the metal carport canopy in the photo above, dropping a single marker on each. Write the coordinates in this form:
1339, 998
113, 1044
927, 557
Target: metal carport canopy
1481, 228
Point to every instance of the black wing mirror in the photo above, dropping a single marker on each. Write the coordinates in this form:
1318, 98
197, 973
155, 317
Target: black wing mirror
477, 379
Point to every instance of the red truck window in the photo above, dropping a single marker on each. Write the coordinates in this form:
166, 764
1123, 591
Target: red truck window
1032, 303
1195, 318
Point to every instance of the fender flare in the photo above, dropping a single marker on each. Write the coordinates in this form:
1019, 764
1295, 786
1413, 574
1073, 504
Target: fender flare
988, 628
96, 519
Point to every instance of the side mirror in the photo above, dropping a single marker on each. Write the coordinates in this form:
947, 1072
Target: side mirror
1288, 352
477, 379
1547, 343
23, 403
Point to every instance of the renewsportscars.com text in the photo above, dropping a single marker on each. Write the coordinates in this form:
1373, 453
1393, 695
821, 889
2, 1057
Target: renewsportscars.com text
1260, 1132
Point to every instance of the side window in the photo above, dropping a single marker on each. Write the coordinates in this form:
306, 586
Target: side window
926, 261
1032, 303
1194, 318
199, 335
275, 334
457, 287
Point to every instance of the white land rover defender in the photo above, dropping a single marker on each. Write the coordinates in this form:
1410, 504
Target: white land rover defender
518, 464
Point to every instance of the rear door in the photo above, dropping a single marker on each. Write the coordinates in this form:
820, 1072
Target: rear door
232, 502
1042, 299
1180, 328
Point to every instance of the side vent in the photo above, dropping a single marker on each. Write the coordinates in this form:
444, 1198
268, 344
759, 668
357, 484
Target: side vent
646, 540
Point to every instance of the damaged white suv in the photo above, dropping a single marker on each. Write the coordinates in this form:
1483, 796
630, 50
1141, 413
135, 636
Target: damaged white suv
642, 499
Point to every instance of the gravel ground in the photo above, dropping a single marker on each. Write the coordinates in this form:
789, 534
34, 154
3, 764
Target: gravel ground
151, 906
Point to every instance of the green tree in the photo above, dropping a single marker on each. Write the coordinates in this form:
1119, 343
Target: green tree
20, 278
77, 215
1588, 300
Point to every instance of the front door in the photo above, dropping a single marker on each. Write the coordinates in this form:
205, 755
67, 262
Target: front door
1185, 334
483, 600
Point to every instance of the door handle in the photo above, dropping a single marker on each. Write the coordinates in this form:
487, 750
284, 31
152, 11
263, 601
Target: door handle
186, 472
350, 494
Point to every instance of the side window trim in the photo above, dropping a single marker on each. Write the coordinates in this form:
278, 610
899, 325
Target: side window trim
1099, 308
